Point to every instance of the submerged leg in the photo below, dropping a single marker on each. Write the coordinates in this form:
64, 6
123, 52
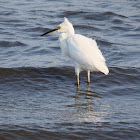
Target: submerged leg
78, 80
88, 76
77, 71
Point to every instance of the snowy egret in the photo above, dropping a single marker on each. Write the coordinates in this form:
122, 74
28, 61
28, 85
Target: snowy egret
82, 50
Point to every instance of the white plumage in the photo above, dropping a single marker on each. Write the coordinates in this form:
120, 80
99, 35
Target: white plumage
82, 50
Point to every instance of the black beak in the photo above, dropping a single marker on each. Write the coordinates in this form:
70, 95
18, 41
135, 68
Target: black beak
49, 32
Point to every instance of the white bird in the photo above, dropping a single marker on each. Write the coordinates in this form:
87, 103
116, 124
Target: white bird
82, 50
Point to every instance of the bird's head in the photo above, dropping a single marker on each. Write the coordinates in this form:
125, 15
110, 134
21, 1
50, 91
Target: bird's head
64, 27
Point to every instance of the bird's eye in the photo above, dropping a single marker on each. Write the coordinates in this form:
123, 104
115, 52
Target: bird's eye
59, 27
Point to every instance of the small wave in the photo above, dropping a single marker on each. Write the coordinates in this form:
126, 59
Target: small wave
125, 76
104, 16
36, 29
103, 42
114, 14
19, 132
11, 44
137, 29
86, 27
122, 28
66, 71
73, 13
117, 21
31, 71
30, 77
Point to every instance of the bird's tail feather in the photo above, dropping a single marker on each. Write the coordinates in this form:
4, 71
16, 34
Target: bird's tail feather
102, 67
106, 71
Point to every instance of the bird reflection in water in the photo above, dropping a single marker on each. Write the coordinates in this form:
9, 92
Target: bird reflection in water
87, 107
84, 99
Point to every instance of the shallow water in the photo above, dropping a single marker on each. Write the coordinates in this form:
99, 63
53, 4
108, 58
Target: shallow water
38, 94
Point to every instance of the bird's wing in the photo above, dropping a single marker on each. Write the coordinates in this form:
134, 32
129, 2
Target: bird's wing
85, 51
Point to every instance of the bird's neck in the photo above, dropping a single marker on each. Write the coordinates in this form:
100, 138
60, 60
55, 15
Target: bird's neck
66, 35
71, 31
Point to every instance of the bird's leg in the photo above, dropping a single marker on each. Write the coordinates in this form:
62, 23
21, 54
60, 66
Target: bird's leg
88, 76
77, 71
78, 81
